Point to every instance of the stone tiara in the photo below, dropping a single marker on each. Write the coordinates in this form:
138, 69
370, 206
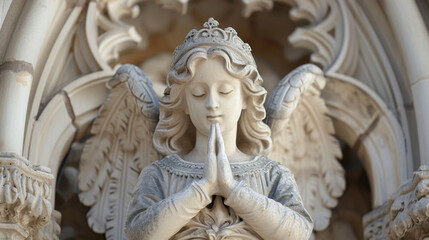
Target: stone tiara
211, 34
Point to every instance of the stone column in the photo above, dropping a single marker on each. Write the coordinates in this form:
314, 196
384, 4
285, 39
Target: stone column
25, 189
412, 35
15, 86
16, 71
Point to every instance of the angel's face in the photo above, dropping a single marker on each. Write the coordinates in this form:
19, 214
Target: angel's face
214, 96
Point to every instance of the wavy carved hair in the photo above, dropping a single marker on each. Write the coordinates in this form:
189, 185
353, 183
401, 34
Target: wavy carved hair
175, 133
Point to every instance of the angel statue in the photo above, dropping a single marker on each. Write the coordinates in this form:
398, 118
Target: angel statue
212, 134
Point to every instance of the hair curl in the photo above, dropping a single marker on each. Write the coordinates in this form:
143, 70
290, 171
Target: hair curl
175, 133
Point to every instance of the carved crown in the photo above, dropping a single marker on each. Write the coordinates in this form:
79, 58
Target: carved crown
212, 35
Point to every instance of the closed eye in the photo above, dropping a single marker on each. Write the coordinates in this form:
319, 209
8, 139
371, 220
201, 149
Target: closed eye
226, 92
198, 95
198, 92
225, 89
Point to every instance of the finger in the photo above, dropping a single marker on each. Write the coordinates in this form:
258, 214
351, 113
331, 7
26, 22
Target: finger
219, 141
210, 166
211, 146
226, 176
224, 166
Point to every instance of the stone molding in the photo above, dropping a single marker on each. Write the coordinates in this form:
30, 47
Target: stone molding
25, 190
405, 215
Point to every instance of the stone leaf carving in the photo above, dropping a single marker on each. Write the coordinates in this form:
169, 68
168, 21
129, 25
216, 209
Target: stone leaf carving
405, 215
251, 6
119, 8
121, 146
317, 37
25, 190
303, 141
103, 35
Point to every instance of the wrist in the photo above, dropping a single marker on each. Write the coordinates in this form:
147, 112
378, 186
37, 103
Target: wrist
239, 186
205, 186
229, 188
201, 188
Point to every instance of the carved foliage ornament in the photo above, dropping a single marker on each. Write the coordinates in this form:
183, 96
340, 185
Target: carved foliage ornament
128, 7
25, 190
405, 215
121, 144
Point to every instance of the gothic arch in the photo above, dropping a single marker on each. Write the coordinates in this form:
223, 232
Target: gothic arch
66, 118
365, 123
363, 91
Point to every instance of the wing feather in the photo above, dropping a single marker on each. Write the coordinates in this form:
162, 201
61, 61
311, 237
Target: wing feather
96, 169
120, 147
303, 140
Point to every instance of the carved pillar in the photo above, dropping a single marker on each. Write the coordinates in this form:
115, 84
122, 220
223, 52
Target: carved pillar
15, 86
16, 71
25, 190
412, 35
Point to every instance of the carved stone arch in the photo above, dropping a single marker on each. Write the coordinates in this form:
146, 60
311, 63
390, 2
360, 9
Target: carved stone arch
72, 83
362, 93
86, 45
365, 123
65, 119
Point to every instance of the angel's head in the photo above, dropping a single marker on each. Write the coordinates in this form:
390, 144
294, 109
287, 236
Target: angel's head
210, 82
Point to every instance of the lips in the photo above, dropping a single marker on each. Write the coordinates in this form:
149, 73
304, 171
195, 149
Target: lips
214, 117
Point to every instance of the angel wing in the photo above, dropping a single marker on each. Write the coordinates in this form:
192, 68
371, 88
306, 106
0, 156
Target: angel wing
303, 140
120, 147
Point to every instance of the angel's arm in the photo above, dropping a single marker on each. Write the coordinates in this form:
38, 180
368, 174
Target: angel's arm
279, 216
151, 216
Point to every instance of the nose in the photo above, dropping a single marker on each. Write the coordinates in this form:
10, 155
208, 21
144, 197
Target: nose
211, 102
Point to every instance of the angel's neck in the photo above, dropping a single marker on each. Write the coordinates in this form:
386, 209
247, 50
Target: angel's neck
199, 152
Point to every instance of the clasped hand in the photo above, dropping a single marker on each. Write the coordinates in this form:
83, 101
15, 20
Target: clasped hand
217, 178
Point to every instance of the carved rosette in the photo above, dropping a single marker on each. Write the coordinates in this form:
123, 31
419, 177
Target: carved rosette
406, 215
25, 190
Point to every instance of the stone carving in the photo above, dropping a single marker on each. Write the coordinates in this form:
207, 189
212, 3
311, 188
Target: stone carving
303, 141
405, 215
126, 7
25, 190
121, 147
341, 38
52, 230
298, 140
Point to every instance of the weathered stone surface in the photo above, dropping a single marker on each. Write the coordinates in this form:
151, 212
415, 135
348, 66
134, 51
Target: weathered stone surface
25, 190
405, 215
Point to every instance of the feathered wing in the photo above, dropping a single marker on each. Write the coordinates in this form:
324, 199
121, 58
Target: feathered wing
303, 141
120, 147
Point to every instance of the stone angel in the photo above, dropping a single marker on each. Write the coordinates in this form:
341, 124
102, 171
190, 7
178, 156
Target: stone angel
212, 135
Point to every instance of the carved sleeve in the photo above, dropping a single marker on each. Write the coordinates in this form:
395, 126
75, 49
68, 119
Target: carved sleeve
151, 215
281, 215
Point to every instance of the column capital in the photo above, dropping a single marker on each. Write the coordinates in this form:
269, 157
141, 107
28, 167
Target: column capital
405, 215
25, 190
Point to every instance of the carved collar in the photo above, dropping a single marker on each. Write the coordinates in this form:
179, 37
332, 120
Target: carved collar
174, 164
